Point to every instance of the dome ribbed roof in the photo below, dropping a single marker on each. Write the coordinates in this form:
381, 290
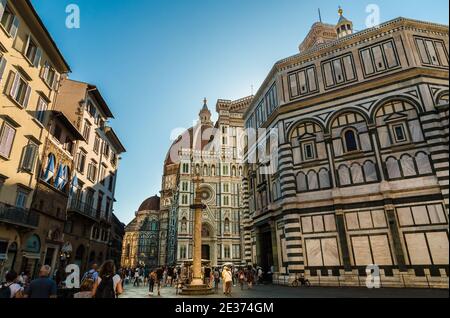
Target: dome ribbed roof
151, 204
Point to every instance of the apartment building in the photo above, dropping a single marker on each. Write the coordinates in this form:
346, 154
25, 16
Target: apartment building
361, 160
91, 206
30, 68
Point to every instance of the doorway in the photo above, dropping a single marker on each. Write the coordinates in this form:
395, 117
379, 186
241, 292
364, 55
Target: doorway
206, 252
266, 251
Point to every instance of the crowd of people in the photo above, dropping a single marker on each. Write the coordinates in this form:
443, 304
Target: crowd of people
103, 282
107, 282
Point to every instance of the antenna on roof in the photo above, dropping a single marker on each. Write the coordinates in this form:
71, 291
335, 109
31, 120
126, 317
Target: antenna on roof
320, 15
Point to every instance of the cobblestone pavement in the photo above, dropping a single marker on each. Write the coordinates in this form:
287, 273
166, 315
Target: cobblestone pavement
272, 291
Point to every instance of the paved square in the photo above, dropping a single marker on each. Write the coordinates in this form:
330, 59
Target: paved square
273, 291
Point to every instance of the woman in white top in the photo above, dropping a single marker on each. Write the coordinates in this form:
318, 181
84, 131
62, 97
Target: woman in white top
112, 283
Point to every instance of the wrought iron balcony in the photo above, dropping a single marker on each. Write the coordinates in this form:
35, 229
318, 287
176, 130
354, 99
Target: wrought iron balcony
83, 209
18, 216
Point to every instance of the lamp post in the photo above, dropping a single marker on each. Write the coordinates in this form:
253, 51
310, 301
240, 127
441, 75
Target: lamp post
197, 287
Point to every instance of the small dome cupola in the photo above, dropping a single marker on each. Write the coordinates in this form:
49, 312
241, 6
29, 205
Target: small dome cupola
205, 114
344, 26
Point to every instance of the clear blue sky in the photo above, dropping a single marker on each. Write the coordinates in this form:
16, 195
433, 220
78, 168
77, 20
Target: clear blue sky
155, 61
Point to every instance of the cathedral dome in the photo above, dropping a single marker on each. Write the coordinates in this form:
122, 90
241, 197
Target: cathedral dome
151, 204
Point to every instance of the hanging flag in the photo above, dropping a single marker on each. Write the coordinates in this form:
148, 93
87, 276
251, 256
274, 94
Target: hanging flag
74, 185
59, 177
50, 169
65, 177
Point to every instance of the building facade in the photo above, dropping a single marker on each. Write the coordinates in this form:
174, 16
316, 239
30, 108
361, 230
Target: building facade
361, 166
44, 217
90, 210
141, 245
30, 68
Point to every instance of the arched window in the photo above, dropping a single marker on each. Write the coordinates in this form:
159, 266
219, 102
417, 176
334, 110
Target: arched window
213, 171
205, 170
233, 171
423, 163
324, 179
408, 167
370, 172
351, 143
357, 174
302, 186
240, 171
344, 176
393, 169
184, 225
274, 191
227, 225
128, 250
313, 182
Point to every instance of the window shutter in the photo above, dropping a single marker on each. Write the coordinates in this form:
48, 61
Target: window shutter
6, 140
37, 58
28, 159
44, 71
15, 86
2, 66
27, 97
14, 28
2, 8
55, 83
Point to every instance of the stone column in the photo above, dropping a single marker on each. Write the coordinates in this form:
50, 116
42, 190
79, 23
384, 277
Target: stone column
197, 257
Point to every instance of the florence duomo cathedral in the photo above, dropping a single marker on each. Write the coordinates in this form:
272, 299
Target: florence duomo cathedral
209, 151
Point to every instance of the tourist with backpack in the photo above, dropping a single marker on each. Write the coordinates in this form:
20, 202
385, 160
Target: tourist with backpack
108, 283
92, 274
10, 288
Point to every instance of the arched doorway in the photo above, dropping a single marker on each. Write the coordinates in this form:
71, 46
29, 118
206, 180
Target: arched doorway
208, 243
31, 256
11, 256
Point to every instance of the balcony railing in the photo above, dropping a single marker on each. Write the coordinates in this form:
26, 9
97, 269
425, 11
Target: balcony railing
88, 211
18, 216
83, 209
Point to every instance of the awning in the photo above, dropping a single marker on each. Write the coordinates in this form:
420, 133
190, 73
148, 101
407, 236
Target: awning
32, 255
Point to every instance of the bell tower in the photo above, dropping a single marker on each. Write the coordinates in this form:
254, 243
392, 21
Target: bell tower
205, 114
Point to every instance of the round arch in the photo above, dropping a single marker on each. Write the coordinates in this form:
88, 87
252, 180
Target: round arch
290, 130
440, 96
343, 111
389, 99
